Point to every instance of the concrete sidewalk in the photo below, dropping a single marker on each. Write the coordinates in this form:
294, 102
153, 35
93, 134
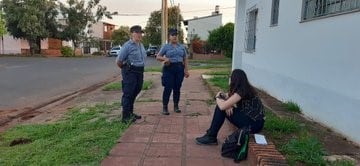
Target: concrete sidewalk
169, 140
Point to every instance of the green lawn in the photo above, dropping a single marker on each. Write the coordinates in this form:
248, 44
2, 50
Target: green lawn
116, 86
85, 137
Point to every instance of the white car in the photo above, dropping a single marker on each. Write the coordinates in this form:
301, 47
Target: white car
114, 51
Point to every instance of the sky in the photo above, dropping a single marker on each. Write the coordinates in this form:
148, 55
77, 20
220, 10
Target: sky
137, 12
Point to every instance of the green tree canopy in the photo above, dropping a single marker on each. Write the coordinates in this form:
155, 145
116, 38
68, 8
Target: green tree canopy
78, 16
153, 27
2, 24
121, 35
2, 31
32, 20
222, 38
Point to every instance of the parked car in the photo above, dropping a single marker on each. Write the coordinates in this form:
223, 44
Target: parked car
152, 51
114, 51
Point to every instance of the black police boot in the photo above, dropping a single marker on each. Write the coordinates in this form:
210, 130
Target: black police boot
207, 139
127, 118
176, 108
136, 116
165, 110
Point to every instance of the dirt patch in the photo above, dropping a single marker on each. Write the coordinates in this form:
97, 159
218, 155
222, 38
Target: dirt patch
20, 141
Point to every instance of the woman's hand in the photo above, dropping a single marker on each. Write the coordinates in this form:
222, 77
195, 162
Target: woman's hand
229, 112
187, 74
166, 61
221, 95
229, 102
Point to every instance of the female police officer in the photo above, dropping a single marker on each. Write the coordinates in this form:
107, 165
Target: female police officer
174, 57
131, 60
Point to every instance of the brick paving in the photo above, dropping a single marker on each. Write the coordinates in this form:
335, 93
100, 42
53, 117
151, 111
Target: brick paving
160, 140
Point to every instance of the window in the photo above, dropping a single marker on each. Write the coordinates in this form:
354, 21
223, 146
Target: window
318, 8
251, 30
275, 12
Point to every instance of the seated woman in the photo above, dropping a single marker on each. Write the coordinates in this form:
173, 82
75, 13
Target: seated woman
242, 107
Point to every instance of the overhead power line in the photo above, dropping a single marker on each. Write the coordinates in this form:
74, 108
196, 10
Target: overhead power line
129, 14
191, 11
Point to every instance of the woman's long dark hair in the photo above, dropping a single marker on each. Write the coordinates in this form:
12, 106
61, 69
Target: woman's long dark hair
240, 84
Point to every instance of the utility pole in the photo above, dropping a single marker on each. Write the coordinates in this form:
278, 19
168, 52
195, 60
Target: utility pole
178, 17
164, 22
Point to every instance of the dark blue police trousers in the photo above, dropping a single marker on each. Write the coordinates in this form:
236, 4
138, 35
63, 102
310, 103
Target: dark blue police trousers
172, 78
132, 82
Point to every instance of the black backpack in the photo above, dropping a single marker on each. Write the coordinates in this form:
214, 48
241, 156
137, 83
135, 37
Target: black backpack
235, 145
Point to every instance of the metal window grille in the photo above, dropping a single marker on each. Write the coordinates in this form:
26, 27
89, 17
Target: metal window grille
251, 30
319, 8
275, 12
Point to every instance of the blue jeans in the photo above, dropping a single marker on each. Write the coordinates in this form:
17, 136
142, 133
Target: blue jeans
131, 86
238, 118
172, 78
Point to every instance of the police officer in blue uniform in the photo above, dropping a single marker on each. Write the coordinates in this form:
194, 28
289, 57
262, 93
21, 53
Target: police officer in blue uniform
175, 67
131, 60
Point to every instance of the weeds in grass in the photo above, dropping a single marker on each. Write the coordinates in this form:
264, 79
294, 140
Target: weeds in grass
147, 84
153, 69
341, 163
212, 61
277, 126
222, 82
292, 106
223, 72
306, 150
116, 86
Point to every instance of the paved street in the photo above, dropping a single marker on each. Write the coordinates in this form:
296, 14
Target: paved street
25, 82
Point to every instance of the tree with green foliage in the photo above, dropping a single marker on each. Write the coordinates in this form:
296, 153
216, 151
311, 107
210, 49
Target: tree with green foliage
2, 31
222, 38
121, 35
2, 24
78, 16
153, 28
32, 20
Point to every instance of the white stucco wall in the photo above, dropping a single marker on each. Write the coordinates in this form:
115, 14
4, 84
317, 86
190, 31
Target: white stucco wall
202, 26
11, 45
314, 63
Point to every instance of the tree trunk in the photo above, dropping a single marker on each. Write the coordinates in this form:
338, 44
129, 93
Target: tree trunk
38, 46
75, 46
34, 46
2, 44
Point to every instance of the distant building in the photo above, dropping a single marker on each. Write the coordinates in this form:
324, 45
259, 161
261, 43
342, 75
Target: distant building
201, 26
102, 32
304, 51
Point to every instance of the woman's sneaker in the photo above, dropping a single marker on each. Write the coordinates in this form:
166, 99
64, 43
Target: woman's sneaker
206, 140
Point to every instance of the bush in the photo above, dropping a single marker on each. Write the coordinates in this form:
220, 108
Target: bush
98, 53
66, 51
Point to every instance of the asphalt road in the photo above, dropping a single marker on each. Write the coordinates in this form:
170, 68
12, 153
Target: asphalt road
25, 81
